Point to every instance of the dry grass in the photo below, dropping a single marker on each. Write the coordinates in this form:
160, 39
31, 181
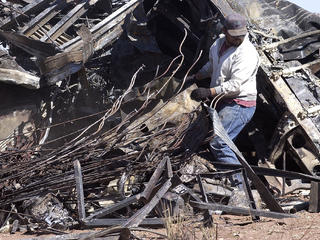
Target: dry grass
180, 228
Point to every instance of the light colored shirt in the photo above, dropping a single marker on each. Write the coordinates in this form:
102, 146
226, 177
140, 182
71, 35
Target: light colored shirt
234, 72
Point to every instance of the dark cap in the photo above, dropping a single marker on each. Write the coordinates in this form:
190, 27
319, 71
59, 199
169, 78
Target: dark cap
236, 24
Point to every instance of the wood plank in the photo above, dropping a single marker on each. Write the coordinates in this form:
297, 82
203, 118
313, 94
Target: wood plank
67, 21
137, 218
104, 26
60, 60
42, 18
103, 222
153, 180
36, 48
33, 7
208, 213
12, 76
79, 187
124, 203
248, 192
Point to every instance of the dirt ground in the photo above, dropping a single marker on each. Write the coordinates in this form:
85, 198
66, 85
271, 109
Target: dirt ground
305, 226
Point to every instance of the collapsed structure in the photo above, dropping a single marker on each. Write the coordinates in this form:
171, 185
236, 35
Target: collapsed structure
102, 109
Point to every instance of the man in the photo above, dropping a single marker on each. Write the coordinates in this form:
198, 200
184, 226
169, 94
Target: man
232, 66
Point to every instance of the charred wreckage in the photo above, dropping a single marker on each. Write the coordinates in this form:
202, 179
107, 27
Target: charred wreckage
98, 128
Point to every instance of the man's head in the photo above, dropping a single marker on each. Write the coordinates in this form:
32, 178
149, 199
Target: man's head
235, 29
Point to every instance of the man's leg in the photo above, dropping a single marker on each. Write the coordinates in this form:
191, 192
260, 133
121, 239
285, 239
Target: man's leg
233, 118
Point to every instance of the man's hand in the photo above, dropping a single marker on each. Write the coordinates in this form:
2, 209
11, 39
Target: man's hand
201, 93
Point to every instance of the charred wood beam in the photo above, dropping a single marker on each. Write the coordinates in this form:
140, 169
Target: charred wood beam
153, 180
169, 169
108, 39
291, 70
61, 65
100, 30
248, 192
239, 210
33, 7
103, 212
137, 218
67, 21
87, 49
273, 181
79, 187
103, 222
52, 63
221, 174
303, 35
36, 48
75, 236
42, 18
191, 193
208, 213
17, 77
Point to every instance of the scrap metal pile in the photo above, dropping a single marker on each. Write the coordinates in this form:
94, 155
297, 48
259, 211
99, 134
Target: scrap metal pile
109, 135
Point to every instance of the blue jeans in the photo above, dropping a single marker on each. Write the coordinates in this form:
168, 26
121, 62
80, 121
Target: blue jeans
233, 117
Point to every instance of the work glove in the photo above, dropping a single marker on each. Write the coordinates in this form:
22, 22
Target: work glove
201, 93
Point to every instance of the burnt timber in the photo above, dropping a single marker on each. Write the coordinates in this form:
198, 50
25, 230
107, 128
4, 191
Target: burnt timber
132, 147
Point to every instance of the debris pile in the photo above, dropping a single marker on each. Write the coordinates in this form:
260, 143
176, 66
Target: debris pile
109, 136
